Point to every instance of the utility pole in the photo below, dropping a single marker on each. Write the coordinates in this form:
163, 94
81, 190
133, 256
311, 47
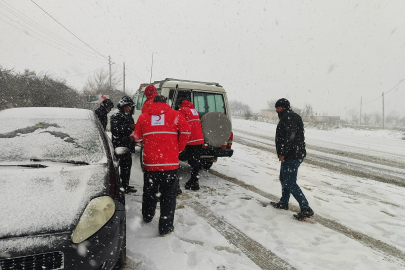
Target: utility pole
361, 104
109, 63
383, 108
123, 87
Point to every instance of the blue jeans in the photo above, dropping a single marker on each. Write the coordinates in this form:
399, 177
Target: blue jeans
288, 179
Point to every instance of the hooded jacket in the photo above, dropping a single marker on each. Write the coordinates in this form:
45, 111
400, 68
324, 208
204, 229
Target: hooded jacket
290, 139
193, 119
164, 133
150, 93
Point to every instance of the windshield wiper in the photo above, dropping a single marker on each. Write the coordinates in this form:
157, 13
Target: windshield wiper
60, 161
25, 165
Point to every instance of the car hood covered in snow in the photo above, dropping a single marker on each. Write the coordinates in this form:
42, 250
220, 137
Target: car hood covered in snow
46, 199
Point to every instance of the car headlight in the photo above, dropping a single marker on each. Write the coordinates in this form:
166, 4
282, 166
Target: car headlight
97, 213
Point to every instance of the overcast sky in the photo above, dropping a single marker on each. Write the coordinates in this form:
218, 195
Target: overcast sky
324, 53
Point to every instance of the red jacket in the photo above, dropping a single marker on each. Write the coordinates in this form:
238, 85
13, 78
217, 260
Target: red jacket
148, 102
164, 133
193, 118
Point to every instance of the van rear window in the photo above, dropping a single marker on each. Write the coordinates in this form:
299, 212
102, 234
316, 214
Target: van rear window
208, 102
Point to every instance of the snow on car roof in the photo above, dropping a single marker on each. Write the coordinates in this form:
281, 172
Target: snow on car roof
55, 112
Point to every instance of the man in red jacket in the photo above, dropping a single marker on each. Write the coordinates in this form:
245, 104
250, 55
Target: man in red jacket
194, 144
150, 93
164, 133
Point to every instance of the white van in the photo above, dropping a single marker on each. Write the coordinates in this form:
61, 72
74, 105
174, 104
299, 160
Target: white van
209, 100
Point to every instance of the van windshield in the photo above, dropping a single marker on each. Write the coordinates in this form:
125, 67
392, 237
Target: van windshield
208, 102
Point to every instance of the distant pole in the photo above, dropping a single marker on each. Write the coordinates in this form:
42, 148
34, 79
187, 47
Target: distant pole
109, 63
151, 68
361, 104
123, 87
383, 109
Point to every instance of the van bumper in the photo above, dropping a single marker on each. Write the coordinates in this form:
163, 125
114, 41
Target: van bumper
216, 152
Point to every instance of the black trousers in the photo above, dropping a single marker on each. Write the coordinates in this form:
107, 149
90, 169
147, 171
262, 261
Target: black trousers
163, 183
194, 160
125, 164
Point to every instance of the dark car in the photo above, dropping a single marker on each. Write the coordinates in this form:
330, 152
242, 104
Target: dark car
61, 201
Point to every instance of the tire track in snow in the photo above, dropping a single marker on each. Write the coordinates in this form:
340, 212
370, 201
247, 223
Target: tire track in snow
359, 156
261, 256
333, 164
364, 239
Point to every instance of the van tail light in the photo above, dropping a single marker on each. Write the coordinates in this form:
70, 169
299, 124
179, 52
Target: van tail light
230, 140
229, 143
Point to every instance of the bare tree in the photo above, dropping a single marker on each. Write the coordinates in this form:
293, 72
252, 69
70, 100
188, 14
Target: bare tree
377, 118
307, 113
270, 104
366, 118
99, 82
239, 108
355, 116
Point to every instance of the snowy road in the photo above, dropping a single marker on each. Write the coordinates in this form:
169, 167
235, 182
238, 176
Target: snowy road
359, 222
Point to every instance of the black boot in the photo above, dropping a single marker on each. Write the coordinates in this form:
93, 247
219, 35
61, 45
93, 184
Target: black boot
279, 206
179, 191
304, 214
192, 185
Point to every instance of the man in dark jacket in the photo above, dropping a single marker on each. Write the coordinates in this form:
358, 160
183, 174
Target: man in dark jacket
290, 146
122, 125
103, 110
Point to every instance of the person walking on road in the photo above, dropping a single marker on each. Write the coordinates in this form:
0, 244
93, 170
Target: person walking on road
194, 144
290, 146
122, 125
105, 107
164, 134
150, 93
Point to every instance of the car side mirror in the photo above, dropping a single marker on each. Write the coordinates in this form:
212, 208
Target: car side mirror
122, 151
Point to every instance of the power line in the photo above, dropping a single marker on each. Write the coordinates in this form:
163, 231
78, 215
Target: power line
86, 72
49, 35
37, 37
401, 81
45, 40
69, 30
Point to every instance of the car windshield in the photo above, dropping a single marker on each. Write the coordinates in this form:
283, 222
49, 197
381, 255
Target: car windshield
23, 139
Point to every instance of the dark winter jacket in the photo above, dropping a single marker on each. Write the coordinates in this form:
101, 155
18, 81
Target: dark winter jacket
102, 116
121, 129
290, 140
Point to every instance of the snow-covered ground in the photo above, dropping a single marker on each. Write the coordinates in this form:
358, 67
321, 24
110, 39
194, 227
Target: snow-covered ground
359, 223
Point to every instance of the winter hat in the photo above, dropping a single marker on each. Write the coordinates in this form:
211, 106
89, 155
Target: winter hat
150, 90
125, 101
160, 98
107, 103
283, 103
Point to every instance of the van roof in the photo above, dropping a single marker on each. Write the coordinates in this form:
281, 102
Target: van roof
185, 84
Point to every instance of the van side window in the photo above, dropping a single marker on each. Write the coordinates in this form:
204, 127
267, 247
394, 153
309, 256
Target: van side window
140, 101
208, 102
182, 95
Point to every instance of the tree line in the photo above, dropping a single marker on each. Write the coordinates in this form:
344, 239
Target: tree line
29, 89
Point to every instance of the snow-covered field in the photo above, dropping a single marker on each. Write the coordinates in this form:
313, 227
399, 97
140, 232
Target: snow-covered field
359, 223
